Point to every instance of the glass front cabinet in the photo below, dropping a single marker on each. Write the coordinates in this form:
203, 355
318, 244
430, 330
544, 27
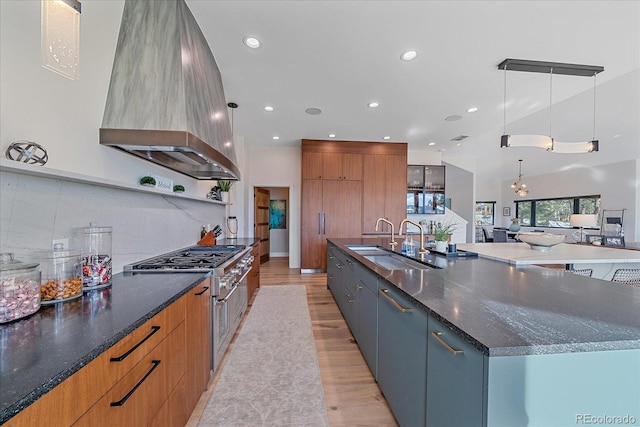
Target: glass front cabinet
425, 189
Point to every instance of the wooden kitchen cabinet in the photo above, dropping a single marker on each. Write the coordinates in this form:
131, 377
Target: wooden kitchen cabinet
253, 280
384, 191
198, 341
139, 395
331, 165
159, 370
334, 188
342, 166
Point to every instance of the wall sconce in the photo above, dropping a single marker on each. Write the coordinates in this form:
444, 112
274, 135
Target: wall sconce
60, 39
543, 141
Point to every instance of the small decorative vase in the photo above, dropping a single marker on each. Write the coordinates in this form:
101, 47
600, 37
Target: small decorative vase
515, 226
441, 246
224, 196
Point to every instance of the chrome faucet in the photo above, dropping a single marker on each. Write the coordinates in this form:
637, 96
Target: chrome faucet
422, 248
393, 243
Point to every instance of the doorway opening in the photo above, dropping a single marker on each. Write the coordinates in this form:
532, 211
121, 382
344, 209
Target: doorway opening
271, 221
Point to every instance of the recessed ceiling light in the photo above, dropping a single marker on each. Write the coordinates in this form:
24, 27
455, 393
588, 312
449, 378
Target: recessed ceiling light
617, 135
432, 143
373, 104
276, 137
313, 111
268, 108
409, 55
453, 118
332, 135
472, 109
387, 137
251, 41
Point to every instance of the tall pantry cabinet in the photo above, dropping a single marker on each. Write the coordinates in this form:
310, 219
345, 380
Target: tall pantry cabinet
346, 187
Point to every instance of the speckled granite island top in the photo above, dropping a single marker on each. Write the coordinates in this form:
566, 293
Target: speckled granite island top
40, 351
506, 311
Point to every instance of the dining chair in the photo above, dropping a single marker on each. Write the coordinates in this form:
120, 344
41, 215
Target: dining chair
487, 237
500, 236
630, 276
587, 272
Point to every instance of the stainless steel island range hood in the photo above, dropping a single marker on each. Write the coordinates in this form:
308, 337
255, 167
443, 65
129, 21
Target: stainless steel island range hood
166, 103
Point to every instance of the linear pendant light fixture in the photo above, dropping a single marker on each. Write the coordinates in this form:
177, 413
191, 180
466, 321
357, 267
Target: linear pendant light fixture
546, 141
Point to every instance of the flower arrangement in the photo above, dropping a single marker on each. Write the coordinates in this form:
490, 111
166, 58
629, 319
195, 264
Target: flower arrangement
441, 232
178, 188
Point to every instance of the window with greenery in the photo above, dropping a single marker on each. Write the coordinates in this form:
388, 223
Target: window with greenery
555, 213
485, 213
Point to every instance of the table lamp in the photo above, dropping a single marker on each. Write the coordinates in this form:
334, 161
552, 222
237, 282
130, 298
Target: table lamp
583, 220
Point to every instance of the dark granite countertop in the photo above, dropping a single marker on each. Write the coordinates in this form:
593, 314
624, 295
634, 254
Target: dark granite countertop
508, 311
40, 351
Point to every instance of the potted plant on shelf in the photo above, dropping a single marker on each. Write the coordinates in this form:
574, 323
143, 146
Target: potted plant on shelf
178, 188
148, 181
225, 186
441, 234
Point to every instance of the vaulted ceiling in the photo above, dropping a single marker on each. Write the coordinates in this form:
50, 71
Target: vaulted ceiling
338, 56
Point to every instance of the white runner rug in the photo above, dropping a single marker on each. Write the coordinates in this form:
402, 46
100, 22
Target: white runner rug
271, 377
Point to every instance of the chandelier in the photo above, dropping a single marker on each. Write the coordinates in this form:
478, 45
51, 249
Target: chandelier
520, 187
547, 142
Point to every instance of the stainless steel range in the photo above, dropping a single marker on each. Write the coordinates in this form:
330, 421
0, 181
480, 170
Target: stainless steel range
229, 266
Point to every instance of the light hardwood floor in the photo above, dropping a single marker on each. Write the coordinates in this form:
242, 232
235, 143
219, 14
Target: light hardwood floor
352, 395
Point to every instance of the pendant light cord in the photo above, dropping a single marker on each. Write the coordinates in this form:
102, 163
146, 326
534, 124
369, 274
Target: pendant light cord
594, 106
504, 122
550, 98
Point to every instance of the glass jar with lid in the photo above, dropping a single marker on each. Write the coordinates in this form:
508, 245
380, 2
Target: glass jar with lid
61, 277
19, 288
94, 243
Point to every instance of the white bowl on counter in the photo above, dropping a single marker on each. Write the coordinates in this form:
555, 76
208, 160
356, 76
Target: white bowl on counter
541, 241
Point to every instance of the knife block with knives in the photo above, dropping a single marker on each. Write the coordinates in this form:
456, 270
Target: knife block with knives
210, 237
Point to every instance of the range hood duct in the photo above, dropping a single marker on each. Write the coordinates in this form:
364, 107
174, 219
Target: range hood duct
166, 103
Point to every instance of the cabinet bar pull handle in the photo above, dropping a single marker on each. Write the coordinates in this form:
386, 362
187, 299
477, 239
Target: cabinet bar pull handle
121, 402
436, 335
154, 329
319, 222
203, 291
349, 300
384, 293
358, 287
338, 265
324, 223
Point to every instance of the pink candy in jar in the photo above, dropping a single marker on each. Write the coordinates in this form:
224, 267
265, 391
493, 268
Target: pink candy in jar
19, 288
94, 243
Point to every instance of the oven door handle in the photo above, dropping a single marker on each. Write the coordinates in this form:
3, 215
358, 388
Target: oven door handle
244, 276
225, 299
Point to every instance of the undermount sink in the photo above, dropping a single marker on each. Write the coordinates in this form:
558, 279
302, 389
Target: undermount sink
396, 262
387, 259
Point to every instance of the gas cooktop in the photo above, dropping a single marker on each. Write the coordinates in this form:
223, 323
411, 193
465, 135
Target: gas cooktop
193, 258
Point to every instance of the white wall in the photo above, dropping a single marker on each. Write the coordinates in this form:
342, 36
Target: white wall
617, 183
276, 167
64, 116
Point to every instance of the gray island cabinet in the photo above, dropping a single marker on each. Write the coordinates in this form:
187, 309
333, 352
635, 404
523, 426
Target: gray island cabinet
479, 343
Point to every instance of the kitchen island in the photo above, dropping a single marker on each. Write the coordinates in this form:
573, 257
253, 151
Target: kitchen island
533, 347
604, 261
41, 351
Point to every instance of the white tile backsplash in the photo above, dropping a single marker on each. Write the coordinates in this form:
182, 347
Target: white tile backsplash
36, 210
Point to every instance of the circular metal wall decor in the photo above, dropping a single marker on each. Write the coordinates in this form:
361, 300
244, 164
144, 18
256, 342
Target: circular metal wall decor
27, 152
